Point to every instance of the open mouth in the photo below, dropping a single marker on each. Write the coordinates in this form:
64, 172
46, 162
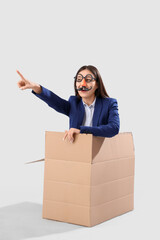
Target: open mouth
84, 89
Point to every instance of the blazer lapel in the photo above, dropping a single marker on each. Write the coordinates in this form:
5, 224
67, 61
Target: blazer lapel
80, 113
97, 111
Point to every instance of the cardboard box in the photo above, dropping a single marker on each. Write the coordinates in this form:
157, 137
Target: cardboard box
89, 181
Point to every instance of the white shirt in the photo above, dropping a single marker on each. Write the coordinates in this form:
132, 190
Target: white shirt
88, 116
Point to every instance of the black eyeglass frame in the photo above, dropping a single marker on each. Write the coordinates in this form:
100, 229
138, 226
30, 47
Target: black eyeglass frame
85, 78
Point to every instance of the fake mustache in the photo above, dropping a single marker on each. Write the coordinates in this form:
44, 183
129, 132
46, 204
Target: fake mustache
83, 88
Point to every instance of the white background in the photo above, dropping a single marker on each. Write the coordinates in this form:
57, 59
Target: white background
48, 41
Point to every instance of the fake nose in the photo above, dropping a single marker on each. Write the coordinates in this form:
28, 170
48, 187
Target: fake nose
83, 82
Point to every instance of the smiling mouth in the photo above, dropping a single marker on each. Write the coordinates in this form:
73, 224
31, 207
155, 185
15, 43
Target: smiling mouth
84, 89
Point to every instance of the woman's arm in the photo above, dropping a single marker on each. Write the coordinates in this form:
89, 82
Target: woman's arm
108, 130
44, 94
37, 88
54, 101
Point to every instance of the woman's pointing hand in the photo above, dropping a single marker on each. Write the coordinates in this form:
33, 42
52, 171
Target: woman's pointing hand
23, 82
26, 84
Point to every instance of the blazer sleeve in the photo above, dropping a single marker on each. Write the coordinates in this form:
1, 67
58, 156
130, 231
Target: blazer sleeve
54, 101
110, 129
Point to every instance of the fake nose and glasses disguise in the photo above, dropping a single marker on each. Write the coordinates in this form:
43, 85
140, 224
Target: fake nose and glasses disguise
89, 110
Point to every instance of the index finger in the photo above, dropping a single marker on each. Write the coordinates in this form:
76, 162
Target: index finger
20, 74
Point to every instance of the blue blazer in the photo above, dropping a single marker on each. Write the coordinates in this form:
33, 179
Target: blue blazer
106, 122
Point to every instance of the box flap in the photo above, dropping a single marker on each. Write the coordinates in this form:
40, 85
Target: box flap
40, 160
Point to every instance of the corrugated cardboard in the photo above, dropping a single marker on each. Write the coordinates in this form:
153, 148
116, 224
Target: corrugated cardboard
89, 181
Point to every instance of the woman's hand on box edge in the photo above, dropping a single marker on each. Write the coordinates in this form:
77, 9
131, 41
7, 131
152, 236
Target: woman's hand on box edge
70, 134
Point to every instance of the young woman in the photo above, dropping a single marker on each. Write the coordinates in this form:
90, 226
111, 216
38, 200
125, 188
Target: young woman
91, 110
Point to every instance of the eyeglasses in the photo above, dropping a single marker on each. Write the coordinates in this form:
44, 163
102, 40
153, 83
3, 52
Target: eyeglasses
88, 78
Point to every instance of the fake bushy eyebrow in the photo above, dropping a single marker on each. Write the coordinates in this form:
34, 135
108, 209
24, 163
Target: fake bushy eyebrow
86, 75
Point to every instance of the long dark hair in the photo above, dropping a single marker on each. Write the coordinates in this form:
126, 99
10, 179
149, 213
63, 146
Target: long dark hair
100, 91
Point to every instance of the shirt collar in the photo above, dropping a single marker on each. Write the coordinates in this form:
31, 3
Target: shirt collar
90, 106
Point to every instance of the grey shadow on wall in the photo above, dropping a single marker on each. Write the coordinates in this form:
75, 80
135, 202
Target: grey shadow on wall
24, 220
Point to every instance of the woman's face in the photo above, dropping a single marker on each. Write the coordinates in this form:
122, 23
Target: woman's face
89, 86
